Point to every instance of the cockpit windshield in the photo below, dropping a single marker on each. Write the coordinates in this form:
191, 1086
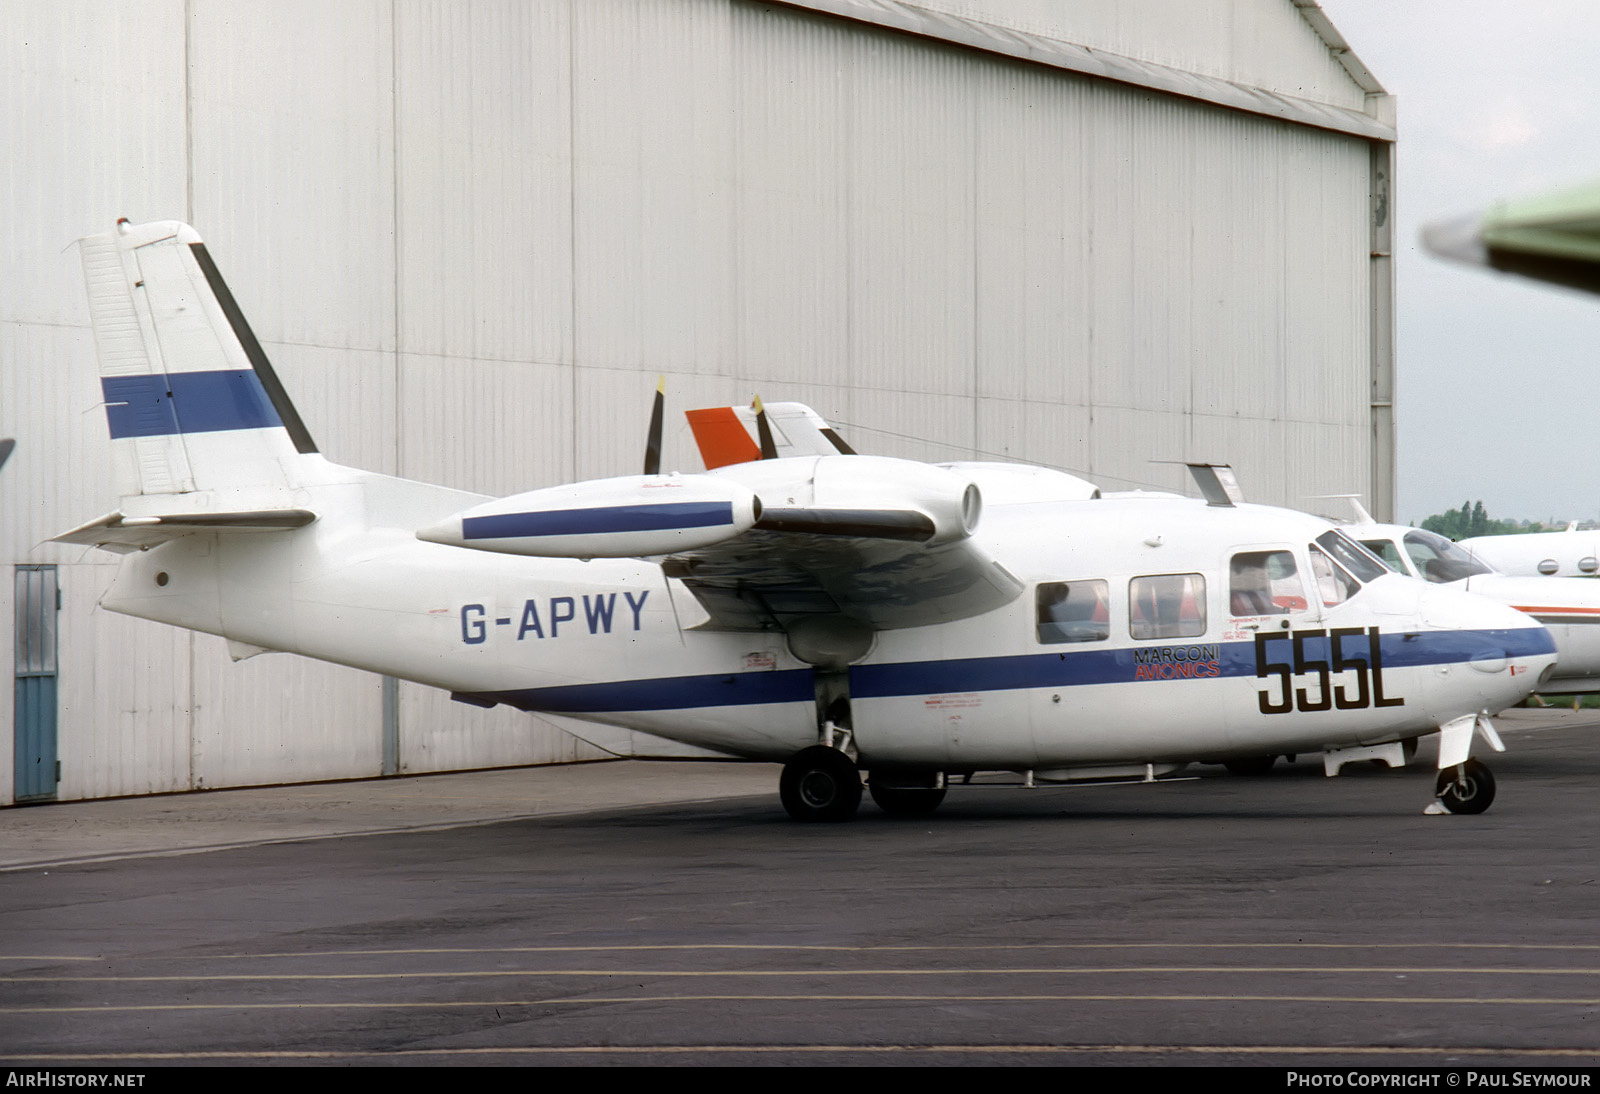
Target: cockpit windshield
1439, 560
1360, 562
1389, 553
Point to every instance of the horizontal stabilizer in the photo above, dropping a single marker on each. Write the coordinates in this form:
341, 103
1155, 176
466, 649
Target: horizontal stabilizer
116, 532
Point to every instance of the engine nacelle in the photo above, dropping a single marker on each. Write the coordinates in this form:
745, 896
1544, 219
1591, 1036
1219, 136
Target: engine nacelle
625, 517
871, 496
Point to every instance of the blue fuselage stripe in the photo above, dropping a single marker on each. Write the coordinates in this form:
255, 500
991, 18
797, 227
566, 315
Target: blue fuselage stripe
160, 405
599, 520
1065, 668
729, 689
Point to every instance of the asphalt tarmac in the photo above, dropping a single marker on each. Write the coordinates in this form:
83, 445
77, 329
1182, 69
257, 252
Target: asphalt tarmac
670, 914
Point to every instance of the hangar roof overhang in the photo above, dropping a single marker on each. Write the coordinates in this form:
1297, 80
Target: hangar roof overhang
1022, 45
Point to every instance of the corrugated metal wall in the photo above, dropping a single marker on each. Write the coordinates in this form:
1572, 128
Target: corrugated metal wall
470, 234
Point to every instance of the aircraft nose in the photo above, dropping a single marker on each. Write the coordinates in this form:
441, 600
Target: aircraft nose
1494, 637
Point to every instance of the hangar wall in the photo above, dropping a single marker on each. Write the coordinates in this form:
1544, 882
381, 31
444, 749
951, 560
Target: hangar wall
469, 234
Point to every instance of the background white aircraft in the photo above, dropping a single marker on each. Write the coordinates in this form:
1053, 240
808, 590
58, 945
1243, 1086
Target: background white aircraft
1573, 553
1568, 607
832, 613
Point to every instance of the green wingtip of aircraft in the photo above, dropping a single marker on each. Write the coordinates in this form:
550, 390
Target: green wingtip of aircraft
1552, 237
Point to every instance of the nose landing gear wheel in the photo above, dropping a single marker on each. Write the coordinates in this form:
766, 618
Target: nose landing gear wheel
820, 784
1465, 789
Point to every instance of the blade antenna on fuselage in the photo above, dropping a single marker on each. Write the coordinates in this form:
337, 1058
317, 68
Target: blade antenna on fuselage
1217, 483
652, 444
769, 448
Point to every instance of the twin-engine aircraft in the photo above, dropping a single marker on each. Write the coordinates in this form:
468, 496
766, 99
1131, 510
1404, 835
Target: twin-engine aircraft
832, 612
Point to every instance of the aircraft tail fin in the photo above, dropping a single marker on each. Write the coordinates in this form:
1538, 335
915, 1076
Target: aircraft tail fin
733, 434
191, 401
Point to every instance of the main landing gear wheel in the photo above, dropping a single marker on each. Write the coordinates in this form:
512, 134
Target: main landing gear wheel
906, 801
820, 784
1254, 765
1465, 789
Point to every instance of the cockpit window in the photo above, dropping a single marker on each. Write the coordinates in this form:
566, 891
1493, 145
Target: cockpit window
1074, 611
1439, 560
1334, 586
1389, 553
1356, 559
1167, 606
1264, 583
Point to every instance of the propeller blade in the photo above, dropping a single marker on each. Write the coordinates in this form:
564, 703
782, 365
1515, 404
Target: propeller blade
769, 448
6, 446
652, 444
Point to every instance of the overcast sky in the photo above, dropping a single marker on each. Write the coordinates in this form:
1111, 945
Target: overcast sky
1499, 377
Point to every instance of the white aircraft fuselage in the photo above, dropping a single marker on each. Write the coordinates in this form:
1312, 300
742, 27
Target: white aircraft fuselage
615, 641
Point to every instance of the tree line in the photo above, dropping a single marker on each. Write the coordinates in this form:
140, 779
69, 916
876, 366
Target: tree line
1472, 520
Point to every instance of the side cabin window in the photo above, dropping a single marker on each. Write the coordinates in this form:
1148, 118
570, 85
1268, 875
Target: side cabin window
1074, 611
1167, 606
1265, 583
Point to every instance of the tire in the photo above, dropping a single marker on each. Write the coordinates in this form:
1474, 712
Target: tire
1472, 793
820, 785
906, 801
1254, 765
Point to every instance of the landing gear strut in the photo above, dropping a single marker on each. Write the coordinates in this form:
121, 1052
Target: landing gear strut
1468, 788
820, 784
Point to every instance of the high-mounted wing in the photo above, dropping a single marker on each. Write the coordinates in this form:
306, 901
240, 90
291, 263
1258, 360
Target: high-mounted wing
884, 542
788, 524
